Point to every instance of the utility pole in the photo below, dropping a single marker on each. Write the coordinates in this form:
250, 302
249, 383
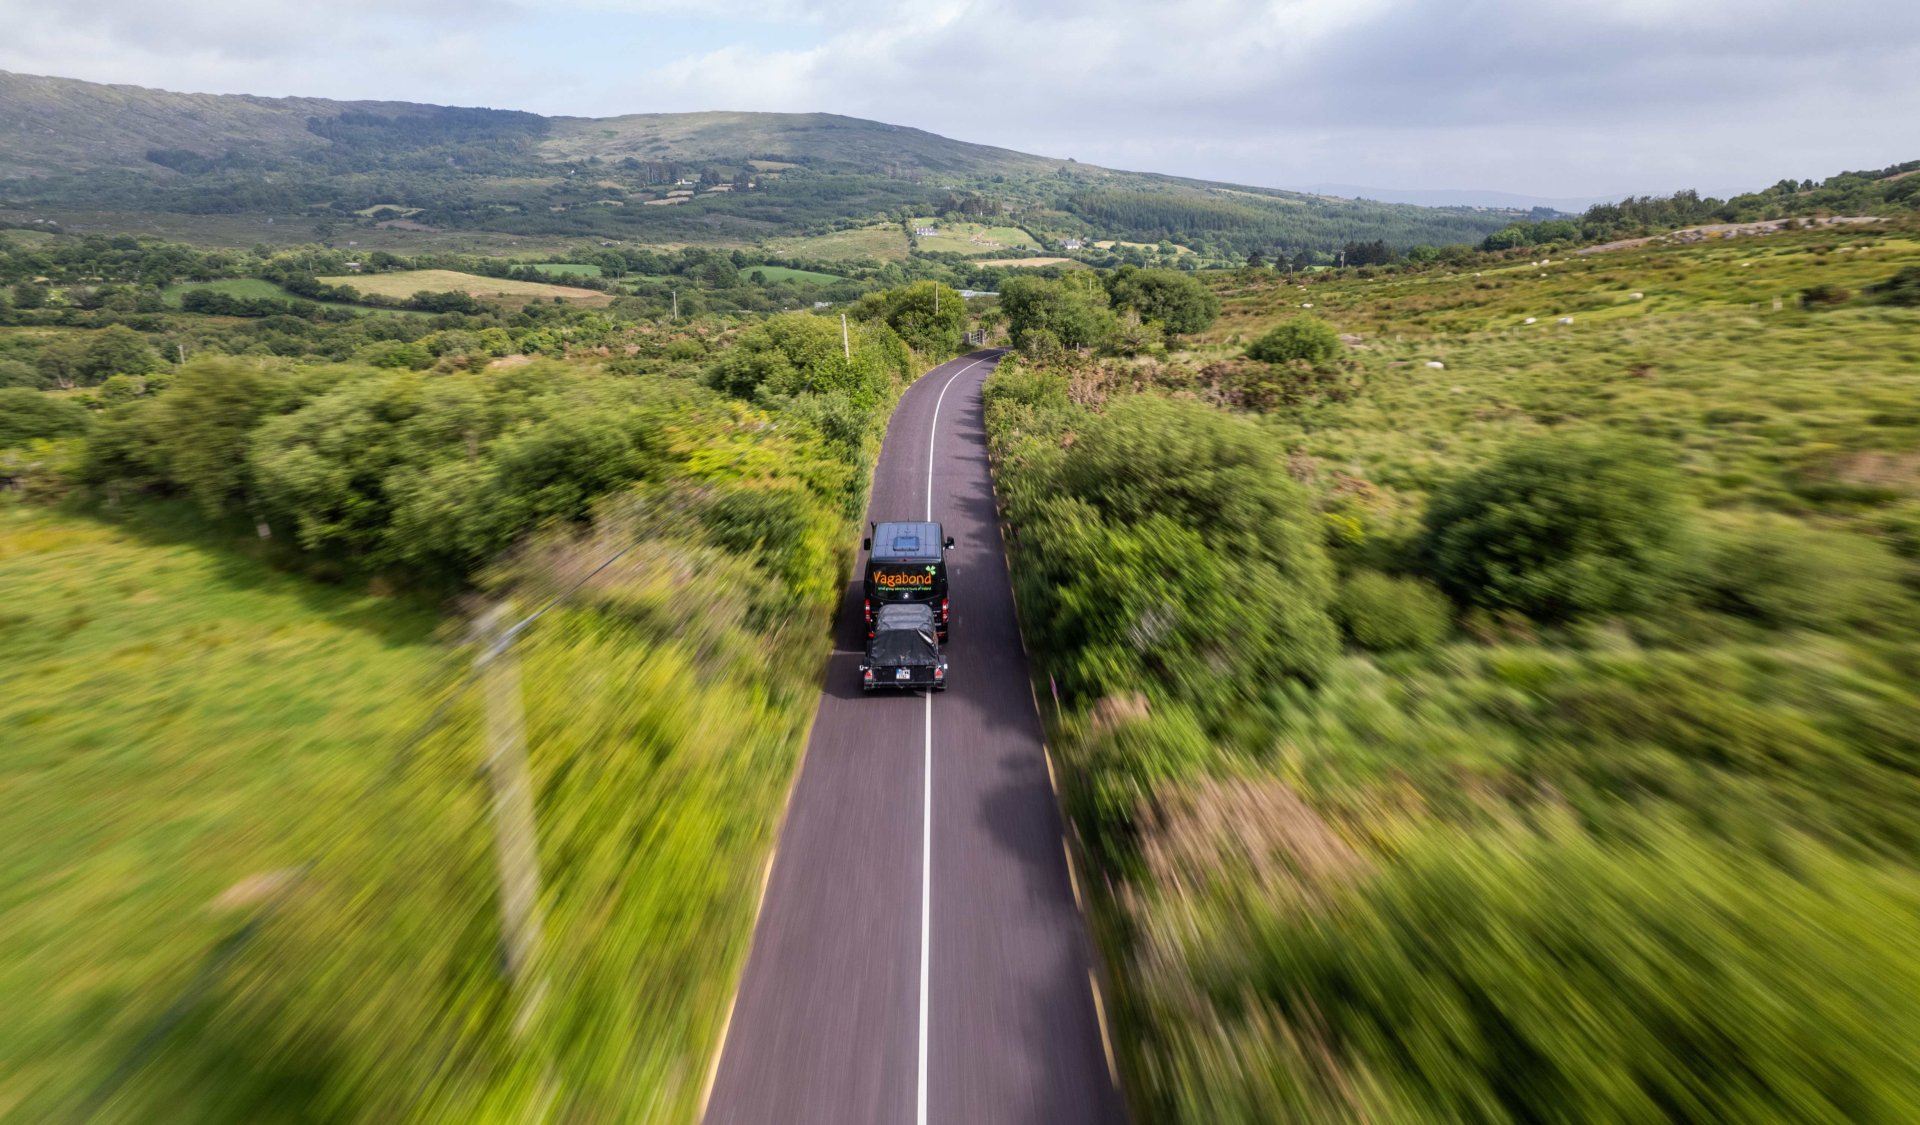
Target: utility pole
846, 346
515, 839
676, 306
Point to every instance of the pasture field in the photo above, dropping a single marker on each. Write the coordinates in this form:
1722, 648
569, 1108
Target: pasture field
405, 283
1032, 262
884, 242
575, 269
777, 274
231, 286
1110, 243
27, 237
972, 238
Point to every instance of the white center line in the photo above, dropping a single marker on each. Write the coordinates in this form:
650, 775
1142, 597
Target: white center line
926, 773
933, 434
926, 895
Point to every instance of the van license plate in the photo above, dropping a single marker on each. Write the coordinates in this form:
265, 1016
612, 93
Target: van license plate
903, 673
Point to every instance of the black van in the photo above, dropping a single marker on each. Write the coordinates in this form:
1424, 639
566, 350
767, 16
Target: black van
907, 562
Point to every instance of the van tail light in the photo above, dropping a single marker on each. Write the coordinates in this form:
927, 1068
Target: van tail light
939, 673
943, 609
866, 673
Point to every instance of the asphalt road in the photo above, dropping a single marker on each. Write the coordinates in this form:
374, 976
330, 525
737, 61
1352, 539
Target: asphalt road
919, 957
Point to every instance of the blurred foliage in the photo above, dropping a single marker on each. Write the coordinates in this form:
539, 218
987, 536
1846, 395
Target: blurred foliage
1556, 979
1383, 613
244, 789
1637, 839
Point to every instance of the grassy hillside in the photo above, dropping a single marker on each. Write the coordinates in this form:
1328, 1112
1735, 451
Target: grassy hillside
1465, 713
87, 151
792, 139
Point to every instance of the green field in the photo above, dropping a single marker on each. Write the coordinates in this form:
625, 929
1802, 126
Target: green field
405, 283
27, 237
1110, 243
884, 242
973, 239
575, 269
777, 274
232, 287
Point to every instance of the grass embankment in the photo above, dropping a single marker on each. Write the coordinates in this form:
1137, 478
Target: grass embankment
212, 746
1526, 738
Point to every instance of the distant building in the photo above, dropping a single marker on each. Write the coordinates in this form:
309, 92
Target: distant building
1070, 244
925, 232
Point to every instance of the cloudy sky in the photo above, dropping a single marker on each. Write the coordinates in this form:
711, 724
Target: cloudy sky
1551, 98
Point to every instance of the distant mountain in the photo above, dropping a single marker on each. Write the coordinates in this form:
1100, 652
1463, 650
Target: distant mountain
1440, 197
67, 144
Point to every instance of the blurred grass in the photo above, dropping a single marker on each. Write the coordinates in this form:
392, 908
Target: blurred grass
194, 719
175, 713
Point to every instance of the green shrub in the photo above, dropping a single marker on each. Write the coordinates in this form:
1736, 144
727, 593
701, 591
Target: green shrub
14, 373
1785, 574
1306, 339
28, 414
1823, 294
1902, 288
1384, 613
1561, 980
1560, 528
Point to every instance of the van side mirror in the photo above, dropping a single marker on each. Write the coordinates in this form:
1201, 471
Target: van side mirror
949, 541
866, 544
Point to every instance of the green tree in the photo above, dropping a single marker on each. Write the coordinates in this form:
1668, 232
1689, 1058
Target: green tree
119, 350
1561, 527
14, 373
929, 316
28, 414
1074, 309
1176, 300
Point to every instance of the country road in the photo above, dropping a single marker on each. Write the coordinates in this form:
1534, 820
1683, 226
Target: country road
919, 956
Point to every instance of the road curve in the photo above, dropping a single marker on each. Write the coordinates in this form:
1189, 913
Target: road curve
850, 1010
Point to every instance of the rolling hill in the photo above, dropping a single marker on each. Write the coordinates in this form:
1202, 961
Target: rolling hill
84, 147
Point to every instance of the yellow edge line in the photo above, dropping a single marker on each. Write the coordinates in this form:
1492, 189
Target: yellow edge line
1100, 1016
